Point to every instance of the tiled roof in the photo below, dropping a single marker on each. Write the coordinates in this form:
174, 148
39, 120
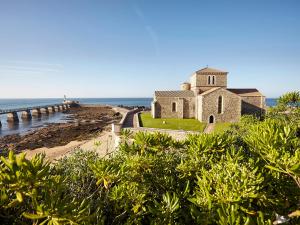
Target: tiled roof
208, 70
174, 94
246, 92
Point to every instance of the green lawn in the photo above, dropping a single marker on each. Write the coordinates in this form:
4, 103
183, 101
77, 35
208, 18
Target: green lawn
171, 123
221, 127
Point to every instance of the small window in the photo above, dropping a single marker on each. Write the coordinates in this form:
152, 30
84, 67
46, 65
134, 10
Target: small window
208, 80
220, 104
213, 79
173, 106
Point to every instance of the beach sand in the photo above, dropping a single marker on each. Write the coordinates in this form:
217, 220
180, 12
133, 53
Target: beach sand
104, 144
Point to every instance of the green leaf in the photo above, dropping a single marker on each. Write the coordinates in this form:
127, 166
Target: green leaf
19, 196
13, 203
33, 216
295, 214
274, 168
295, 168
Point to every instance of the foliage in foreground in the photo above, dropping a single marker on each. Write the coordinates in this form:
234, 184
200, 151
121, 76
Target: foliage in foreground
247, 175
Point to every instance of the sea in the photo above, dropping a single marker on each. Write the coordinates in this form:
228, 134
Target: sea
25, 126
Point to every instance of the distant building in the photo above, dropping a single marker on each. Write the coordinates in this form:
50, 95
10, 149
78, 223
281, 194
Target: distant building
208, 99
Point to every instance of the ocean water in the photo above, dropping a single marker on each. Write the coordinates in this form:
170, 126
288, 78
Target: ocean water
25, 126
22, 103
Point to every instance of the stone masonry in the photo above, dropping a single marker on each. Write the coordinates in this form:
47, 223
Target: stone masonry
207, 98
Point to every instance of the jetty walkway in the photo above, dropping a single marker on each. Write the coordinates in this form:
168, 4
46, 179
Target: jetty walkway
27, 113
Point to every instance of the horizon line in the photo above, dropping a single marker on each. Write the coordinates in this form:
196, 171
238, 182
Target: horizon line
91, 97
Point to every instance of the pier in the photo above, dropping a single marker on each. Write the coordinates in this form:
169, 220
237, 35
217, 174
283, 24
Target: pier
29, 112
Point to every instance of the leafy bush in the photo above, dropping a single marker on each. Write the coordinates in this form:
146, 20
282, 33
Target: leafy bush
30, 192
290, 99
247, 175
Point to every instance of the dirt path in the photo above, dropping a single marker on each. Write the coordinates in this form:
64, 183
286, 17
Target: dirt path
176, 134
209, 128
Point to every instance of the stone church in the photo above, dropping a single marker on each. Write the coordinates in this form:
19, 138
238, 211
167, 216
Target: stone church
207, 98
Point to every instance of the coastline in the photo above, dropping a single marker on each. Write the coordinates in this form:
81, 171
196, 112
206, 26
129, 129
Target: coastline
81, 128
85, 123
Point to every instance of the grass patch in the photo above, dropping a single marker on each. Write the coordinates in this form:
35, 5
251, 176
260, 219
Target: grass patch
171, 123
221, 127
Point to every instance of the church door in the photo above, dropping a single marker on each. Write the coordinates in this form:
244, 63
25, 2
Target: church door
211, 119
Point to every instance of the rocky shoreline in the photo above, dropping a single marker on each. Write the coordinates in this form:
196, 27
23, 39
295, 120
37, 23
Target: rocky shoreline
83, 123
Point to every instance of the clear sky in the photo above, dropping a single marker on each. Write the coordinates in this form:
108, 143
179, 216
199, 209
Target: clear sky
129, 48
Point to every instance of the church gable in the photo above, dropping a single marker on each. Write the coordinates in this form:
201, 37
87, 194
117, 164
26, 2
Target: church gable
218, 90
219, 104
207, 78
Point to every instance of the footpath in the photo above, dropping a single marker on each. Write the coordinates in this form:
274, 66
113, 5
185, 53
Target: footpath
209, 128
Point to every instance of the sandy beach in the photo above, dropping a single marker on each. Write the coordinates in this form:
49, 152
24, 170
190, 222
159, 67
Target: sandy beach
103, 144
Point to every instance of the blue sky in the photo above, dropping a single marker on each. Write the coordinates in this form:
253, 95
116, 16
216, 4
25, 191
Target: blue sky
129, 48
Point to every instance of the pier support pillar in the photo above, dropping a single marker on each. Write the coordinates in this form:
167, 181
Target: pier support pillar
36, 112
64, 107
51, 109
61, 108
44, 110
26, 115
56, 108
12, 117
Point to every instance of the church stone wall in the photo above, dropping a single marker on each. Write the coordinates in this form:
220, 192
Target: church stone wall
185, 107
220, 80
199, 82
231, 106
199, 107
254, 105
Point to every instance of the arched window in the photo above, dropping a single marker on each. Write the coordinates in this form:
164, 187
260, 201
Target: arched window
220, 104
208, 80
213, 79
173, 106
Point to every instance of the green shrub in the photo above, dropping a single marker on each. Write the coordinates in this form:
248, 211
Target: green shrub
247, 175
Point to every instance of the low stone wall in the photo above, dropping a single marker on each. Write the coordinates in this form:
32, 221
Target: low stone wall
185, 107
137, 120
116, 128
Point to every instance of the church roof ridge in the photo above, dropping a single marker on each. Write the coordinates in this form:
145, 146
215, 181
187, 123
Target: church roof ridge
210, 90
208, 70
